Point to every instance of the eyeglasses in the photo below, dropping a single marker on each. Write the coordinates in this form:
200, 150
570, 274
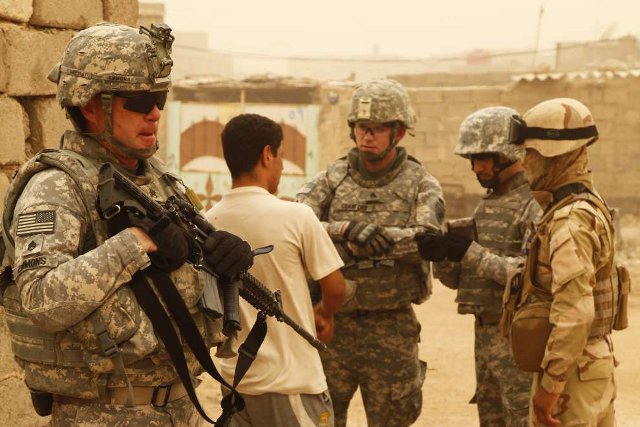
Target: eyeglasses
143, 102
363, 128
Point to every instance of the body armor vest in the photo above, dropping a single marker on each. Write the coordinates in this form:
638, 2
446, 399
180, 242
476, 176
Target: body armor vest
537, 275
77, 356
499, 223
381, 284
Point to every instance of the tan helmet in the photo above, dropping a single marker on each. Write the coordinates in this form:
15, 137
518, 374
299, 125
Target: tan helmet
113, 58
554, 127
487, 131
383, 101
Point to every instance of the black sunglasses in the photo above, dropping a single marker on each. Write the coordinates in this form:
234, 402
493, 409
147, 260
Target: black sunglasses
143, 102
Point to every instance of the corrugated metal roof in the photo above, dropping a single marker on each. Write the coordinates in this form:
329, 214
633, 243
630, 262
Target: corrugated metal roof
577, 75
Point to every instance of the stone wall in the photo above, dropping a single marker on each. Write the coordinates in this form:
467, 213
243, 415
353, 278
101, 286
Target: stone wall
33, 34
612, 100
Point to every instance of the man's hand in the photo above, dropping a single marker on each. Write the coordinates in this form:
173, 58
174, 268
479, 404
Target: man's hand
166, 243
543, 404
431, 246
227, 254
455, 246
324, 323
371, 237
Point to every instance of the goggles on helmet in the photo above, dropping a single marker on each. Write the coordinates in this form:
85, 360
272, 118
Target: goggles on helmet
143, 102
519, 131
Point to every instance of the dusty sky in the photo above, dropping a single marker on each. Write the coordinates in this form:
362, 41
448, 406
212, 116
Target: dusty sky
410, 28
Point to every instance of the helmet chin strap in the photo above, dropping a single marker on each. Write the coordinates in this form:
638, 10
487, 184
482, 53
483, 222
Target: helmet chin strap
107, 135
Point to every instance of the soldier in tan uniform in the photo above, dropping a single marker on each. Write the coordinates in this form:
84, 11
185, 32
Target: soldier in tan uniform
478, 269
90, 354
569, 268
372, 203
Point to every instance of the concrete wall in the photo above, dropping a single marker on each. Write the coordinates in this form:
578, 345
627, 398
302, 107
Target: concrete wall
33, 34
613, 159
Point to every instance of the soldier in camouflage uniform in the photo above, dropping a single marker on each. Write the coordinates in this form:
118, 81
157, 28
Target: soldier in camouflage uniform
372, 203
478, 270
570, 263
89, 352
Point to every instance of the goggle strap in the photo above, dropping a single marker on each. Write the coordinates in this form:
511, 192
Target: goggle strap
559, 134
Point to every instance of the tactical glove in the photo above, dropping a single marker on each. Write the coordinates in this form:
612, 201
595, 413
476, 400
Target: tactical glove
227, 254
173, 243
431, 246
455, 246
379, 244
371, 237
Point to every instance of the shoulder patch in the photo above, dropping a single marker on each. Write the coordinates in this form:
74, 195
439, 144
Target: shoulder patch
42, 222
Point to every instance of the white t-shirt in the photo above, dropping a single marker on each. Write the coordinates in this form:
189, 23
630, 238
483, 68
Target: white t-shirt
286, 363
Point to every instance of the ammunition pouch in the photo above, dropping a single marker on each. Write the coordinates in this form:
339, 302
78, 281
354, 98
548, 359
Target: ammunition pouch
621, 320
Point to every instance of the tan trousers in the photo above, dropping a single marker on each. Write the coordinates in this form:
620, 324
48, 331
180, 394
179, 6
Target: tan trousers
587, 399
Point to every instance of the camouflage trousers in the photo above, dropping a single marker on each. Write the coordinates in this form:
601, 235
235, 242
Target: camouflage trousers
502, 389
179, 413
587, 398
378, 352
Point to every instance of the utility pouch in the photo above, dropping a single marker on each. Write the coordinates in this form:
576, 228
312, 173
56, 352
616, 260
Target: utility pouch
624, 288
510, 300
42, 402
529, 333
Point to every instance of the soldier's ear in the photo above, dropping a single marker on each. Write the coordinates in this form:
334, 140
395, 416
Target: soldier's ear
400, 133
92, 112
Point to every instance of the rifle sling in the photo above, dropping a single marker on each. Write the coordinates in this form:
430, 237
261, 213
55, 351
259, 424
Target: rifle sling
188, 329
162, 325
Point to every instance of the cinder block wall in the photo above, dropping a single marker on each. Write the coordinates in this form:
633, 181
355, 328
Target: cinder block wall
440, 110
33, 34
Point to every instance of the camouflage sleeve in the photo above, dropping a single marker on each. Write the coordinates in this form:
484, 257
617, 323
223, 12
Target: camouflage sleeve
496, 267
316, 194
448, 273
59, 287
429, 210
573, 246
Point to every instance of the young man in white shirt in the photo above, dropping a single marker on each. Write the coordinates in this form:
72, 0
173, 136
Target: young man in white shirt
286, 385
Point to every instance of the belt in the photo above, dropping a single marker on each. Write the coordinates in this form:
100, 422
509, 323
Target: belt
488, 319
157, 396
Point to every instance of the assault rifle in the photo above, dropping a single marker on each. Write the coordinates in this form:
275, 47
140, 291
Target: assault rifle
117, 194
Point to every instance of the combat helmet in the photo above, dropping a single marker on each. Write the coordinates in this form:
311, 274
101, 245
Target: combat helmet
383, 101
554, 127
110, 58
487, 131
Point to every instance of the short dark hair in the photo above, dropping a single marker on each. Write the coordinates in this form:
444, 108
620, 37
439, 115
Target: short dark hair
243, 139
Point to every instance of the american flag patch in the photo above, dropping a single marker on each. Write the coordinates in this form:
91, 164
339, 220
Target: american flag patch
36, 222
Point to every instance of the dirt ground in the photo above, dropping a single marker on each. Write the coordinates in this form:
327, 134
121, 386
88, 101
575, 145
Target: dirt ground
447, 346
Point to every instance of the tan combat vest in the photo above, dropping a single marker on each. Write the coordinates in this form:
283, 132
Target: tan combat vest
537, 274
80, 357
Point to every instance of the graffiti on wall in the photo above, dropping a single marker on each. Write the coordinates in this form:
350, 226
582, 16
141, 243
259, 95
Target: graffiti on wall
195, 145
